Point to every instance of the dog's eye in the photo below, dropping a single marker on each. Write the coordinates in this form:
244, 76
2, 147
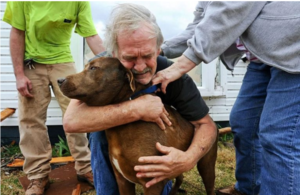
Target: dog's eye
93, 68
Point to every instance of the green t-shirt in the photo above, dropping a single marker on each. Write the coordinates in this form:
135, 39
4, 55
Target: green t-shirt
48, 27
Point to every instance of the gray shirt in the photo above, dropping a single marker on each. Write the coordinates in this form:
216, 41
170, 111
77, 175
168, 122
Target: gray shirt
269, 30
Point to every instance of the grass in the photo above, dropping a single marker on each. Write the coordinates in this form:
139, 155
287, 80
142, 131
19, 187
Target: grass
10, 184
192, 183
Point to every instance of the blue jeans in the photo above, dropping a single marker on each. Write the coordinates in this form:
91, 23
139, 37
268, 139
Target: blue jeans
104, 179
266, 127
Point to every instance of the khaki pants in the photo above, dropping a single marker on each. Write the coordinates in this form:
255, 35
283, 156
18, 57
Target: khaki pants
34, 138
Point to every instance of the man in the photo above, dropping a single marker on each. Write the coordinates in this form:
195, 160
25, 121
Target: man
265, 116
40, 35
134, 37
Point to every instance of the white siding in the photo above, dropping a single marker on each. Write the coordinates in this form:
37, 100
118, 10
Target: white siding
220, 107
8, 92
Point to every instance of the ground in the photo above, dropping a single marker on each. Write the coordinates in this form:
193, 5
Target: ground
192, 181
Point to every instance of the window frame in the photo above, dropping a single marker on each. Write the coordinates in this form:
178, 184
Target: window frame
210, 87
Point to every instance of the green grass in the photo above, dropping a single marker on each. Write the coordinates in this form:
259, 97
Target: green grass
10, 184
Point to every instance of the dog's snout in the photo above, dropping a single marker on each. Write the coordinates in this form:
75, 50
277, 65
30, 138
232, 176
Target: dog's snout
60, 81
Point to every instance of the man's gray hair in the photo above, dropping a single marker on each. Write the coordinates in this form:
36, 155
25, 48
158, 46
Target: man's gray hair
129, 17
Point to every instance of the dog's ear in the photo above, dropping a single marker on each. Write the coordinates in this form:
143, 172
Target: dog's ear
130, 77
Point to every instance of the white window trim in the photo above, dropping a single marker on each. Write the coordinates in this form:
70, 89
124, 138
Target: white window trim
209, 86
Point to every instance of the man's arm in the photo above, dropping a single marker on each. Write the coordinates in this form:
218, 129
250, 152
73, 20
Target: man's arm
17, 48
175, 161
218, 26
170, 74
80, 118
95, 43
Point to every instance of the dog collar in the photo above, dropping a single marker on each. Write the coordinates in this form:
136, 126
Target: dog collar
151, 89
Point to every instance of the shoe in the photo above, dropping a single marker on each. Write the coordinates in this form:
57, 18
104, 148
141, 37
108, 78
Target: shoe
38, 186
87, 177
229, 190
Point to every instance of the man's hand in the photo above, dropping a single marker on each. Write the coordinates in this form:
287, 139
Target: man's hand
175, 71
168, 166
152, 109
24, 86
165, 77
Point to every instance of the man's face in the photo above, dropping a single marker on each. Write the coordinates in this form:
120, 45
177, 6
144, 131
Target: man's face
138, 53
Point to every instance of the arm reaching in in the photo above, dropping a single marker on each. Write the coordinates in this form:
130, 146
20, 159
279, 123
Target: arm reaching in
176, 70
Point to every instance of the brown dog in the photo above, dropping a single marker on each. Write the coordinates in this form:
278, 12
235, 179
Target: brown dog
105, 81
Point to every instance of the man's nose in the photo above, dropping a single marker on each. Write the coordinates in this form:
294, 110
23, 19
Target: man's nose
140, 65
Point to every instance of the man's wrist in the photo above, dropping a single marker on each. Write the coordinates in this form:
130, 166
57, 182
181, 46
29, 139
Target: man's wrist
131, 109
188, 160
185, 65
19, 74
194, 154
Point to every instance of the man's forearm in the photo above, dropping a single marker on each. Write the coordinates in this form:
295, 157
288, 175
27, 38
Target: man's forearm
95, 43
204, 137
184, 64
80, 118
17, 47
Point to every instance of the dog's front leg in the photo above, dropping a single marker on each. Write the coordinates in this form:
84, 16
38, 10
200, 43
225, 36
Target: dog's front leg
125, 187
156, 189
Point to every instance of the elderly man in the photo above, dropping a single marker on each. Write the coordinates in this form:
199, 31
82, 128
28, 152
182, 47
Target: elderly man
134, 37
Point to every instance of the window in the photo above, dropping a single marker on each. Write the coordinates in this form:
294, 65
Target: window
214, 78
210, 78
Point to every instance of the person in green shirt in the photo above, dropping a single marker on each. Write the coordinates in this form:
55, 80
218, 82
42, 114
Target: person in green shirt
40, 50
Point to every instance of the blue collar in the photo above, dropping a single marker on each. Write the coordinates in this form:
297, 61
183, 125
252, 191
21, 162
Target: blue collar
151, 89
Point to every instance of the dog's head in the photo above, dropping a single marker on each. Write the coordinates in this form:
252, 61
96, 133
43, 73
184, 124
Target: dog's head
103, 81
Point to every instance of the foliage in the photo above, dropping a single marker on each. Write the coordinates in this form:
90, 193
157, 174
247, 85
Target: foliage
226, 137
10, 150
61, 148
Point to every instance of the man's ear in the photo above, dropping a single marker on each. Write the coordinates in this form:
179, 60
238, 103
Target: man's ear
130, 77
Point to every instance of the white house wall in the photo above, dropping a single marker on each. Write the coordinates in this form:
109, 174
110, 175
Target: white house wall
220, 107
